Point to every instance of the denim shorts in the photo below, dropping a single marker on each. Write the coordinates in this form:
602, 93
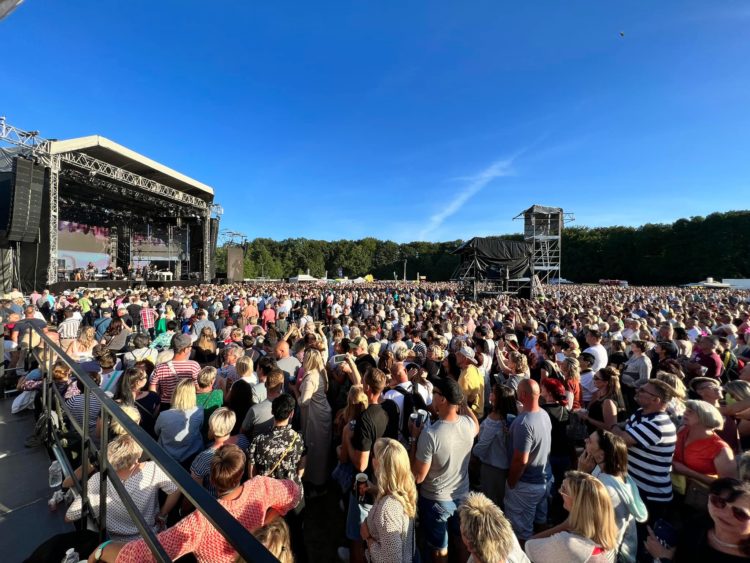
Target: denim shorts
437, 519
355, 515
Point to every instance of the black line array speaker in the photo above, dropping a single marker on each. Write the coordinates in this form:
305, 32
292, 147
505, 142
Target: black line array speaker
22, 204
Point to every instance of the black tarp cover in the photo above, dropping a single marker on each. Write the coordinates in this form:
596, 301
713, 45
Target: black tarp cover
491, 252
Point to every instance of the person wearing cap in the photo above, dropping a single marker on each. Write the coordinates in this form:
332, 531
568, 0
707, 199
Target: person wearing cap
166, 376
530, 444
439, 455
471, 380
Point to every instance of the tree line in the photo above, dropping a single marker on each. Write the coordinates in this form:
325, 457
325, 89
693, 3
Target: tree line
687, 250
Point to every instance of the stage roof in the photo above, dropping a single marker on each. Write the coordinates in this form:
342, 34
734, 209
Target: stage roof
114, 153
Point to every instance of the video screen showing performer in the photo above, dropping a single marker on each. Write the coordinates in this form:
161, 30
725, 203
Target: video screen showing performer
83, 247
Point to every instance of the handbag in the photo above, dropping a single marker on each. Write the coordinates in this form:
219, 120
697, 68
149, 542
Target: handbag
696, 496
695, 492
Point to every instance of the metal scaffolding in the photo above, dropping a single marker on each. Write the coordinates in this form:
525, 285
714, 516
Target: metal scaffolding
39, 149
543, 228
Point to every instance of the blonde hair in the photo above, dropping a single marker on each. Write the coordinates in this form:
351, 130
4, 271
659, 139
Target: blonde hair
591, 514
708, 415
680, 391
373, 348
393, 474
401, 354
484, 525
123, 452
221, 422
276, 538
437, 352
739, 389
207, 376
519, 360
87, 336
244, 366
116, 428
356, 402
573, 367
313, 361
184, 395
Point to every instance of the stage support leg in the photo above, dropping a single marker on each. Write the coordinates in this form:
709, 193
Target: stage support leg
53, 162
207, 247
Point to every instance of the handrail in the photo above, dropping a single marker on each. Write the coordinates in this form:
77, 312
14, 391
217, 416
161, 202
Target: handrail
246, 545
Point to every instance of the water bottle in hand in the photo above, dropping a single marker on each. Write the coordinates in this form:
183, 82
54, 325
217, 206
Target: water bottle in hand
71, 556
55, 474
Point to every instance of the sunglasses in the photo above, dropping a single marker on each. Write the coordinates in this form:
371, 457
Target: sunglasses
720, 503
648, 393
597, 378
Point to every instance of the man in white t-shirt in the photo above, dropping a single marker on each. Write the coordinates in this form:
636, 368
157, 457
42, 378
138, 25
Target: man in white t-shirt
594, 340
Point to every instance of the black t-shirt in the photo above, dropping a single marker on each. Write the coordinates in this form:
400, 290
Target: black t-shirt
240, 401
559, 417
372, 424
134, 310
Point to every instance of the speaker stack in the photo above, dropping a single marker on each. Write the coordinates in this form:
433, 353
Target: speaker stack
21, 201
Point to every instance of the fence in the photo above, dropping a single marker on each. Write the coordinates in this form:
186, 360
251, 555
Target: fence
241, 539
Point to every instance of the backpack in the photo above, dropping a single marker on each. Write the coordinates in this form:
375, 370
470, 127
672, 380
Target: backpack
413, 401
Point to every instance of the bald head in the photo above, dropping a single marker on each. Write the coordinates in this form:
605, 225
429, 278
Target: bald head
528, 395
282, 349
528, 386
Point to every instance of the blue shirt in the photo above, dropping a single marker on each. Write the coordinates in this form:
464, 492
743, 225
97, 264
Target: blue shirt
532, 432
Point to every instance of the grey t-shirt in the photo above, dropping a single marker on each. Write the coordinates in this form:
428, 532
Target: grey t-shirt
258, 420
446, 446
532, 432
289, 366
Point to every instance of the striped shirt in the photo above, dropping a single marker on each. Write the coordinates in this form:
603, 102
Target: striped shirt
650, 459
166, 376
69, 328
76, 405
201, 466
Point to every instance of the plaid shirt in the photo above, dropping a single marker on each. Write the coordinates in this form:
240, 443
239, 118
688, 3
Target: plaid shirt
148, 317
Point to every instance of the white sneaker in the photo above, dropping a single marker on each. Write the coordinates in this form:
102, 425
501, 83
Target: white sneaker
343, 553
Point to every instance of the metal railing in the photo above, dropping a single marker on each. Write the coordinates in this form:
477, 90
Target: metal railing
249, 548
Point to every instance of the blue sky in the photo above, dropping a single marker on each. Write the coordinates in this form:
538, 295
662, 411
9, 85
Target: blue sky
399, 119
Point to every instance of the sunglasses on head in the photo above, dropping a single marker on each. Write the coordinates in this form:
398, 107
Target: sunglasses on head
721, 503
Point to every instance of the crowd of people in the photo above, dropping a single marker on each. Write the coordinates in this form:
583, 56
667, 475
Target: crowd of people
596, 424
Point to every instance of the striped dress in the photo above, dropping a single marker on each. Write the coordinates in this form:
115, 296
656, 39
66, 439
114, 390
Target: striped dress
650, 459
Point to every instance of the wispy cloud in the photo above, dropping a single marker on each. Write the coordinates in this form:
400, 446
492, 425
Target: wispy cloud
472, 186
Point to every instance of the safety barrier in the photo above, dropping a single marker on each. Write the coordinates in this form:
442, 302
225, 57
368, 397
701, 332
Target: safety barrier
249, 548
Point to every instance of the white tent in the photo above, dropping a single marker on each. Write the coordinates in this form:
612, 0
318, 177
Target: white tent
302, 278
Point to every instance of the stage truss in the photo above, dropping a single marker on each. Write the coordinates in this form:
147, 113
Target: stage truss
39, 149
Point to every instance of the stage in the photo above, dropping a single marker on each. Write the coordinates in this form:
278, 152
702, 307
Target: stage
118, 285
89, 207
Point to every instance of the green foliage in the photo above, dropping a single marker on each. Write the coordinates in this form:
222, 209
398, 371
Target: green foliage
688, 250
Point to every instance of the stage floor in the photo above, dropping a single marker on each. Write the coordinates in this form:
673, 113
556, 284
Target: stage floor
118, 285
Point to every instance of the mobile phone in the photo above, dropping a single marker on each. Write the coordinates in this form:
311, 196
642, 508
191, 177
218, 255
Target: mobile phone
339, 359
665, 532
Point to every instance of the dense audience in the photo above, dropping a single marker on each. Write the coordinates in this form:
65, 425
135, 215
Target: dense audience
597, 424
